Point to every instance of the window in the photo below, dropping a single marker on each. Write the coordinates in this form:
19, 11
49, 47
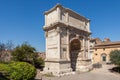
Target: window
103, 57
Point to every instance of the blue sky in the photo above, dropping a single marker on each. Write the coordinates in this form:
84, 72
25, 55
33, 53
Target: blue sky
23, 20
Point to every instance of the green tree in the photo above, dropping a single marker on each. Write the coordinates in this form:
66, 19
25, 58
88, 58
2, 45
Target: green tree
2, 47
39, 63
25, 53
6, 46
115, 57
9, 45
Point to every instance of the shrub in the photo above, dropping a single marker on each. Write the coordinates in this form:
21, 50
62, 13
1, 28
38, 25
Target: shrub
39, 63
24, 52
27, 53
4, 71
18, 71
115, 57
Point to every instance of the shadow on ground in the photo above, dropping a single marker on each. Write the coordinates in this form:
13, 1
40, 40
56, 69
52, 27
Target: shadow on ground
115, 69
2, 77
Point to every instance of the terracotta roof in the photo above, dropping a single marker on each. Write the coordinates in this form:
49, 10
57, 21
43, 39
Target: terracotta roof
108, 43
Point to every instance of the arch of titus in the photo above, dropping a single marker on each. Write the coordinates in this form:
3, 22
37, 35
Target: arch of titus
67, 41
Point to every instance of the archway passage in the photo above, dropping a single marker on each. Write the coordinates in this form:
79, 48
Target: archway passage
74, 51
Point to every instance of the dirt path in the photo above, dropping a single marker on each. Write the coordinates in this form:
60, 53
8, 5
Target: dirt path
96, 74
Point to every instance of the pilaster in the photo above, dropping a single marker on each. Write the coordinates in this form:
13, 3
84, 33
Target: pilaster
59, 42
68, 45
83, 48
67, 17
45, 19
88, 49
46, 35
59, 14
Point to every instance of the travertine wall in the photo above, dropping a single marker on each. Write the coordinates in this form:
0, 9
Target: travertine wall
52, 17
63, 42
68, 17
52, 44
98, 52
62, 26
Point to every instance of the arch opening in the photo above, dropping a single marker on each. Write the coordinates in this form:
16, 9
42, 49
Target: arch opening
75, 47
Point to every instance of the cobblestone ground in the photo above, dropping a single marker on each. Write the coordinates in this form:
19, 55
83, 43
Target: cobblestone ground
96, 74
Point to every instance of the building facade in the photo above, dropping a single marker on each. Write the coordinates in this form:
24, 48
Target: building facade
5, 56
101, 49
67, 41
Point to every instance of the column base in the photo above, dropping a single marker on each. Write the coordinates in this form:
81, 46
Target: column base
84, 66
57, 68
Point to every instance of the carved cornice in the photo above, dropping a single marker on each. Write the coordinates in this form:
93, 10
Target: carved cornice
57, 60
61, 24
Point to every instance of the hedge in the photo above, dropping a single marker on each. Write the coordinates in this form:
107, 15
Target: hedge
18, 71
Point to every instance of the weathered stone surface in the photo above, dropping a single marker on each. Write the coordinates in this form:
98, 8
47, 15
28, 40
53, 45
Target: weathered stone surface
67, 41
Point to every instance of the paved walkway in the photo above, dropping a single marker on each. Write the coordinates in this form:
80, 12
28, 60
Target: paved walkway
96, 74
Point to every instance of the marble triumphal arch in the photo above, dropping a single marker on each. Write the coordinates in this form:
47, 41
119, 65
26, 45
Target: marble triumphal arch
67, 41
